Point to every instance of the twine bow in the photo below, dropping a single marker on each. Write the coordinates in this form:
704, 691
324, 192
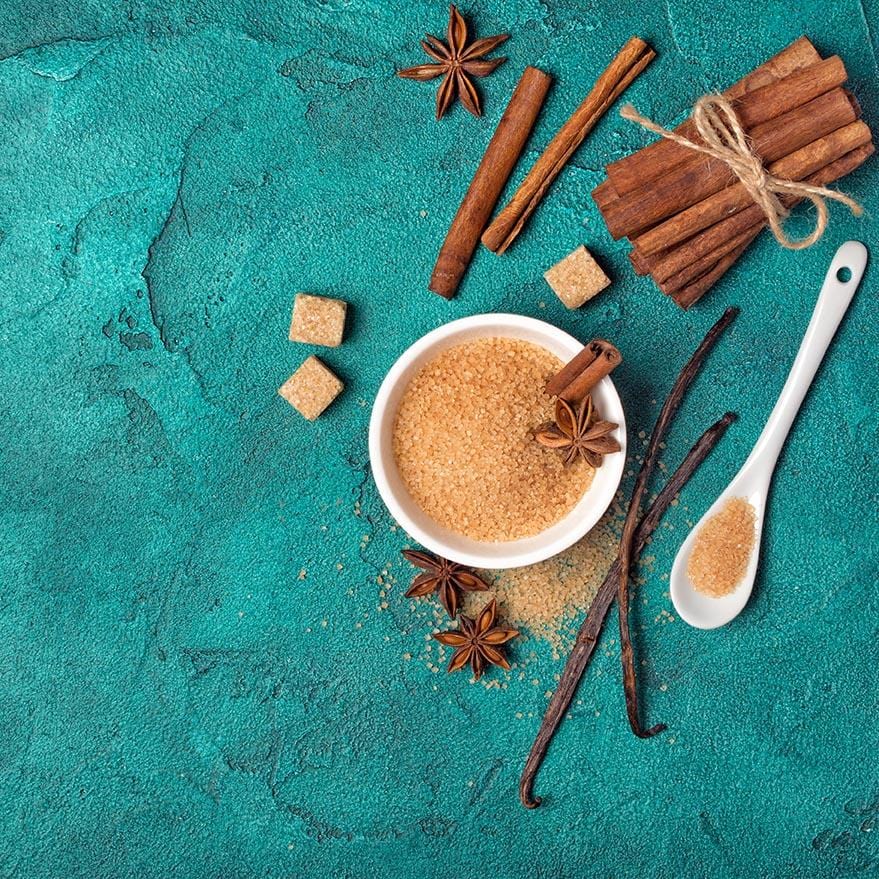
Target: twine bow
724, 139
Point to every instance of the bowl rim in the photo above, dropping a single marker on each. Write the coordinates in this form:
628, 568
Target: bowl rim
582, 520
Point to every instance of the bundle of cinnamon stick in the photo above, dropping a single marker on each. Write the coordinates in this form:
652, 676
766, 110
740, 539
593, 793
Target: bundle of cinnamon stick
688, 217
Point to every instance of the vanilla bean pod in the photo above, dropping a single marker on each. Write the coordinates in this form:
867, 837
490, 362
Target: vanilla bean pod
587, 637
627, 556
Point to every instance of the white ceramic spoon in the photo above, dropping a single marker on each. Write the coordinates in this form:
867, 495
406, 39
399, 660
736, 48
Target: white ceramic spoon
752, 481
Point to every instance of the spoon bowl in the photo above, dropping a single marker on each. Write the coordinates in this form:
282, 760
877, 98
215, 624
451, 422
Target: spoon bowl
704, 611
753, 480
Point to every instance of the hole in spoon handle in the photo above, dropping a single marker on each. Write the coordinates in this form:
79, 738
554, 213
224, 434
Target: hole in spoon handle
847, 267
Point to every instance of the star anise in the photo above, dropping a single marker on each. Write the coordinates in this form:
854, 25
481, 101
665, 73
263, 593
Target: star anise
579, 434
457, 61
446, 578
478, 641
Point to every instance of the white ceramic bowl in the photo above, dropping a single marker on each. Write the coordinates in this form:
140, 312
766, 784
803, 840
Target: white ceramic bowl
442, 541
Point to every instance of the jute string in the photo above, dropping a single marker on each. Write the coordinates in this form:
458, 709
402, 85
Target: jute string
724, 139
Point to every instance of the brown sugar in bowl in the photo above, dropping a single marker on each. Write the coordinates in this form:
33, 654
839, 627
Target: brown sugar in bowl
584, 511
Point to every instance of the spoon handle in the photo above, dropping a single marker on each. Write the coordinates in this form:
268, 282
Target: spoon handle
833, 301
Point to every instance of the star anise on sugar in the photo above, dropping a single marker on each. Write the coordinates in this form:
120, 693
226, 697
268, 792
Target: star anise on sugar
457, 61
579, 433
447, 579
478, 641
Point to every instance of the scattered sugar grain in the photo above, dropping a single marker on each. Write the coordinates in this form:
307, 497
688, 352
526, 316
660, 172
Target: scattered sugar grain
549, 598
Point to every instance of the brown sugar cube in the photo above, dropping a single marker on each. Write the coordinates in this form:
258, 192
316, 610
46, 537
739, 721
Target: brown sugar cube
318, 320
311, 388
577, 278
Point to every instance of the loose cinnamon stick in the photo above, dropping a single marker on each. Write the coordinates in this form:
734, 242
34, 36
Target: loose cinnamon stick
712, 240
720, 205
689, 183
577, 377
621, 72
755, 107
590, 630
694, 291
491, 176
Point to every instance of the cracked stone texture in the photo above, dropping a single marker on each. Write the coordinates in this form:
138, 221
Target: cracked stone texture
175, 700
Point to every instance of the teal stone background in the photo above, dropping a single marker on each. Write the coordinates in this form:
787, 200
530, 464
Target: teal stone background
174, 699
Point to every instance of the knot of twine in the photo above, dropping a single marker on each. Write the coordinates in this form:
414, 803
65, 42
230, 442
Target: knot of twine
724, 139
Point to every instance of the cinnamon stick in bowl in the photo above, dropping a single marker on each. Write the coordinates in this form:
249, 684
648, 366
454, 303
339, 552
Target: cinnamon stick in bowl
577, 377
491, 176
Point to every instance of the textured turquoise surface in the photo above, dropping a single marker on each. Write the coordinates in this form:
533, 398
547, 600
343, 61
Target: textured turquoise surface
174, 700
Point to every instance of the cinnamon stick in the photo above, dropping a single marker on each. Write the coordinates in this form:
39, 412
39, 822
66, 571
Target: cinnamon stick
604, 194
656, 159
698, 288
720, 205
590, 630
689, 183
800, 53
706, 263
710, 241
577, 377
754, 107
620, 73
687, 296
491, 176
640, 264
